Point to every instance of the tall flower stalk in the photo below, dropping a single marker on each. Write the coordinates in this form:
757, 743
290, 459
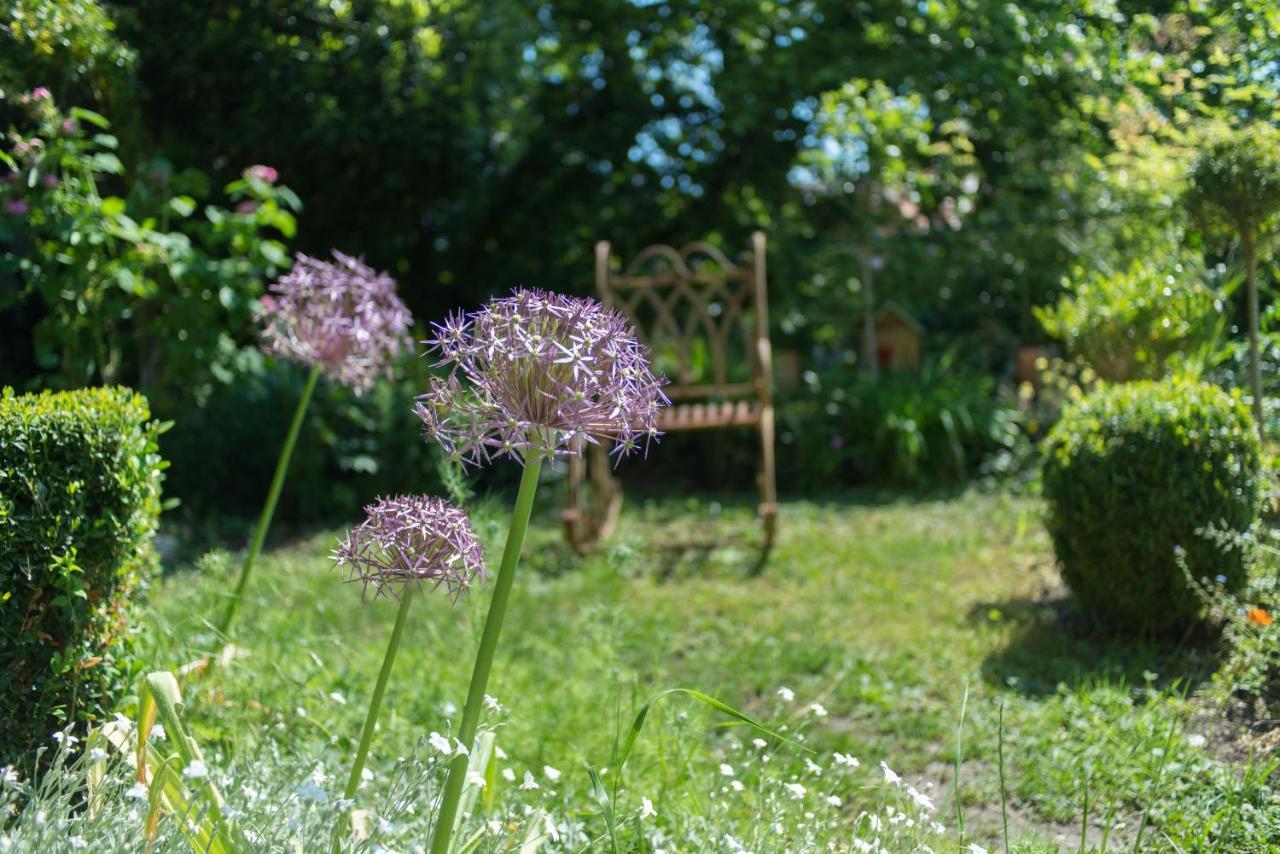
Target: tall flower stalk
533, 376
403, 544
341, 319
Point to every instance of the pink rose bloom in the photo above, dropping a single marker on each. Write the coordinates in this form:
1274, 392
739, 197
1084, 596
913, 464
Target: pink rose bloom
16, 207
266, 174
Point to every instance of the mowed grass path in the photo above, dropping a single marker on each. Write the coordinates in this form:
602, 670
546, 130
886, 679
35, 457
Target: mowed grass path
895, 616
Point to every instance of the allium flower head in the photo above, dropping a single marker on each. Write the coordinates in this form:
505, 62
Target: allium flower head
534, 372
411, 539
339, 316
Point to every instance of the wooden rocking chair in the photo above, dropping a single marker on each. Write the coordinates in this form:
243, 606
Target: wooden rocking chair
706, 322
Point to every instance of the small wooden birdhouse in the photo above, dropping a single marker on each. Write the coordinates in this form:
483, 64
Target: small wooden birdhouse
898, 340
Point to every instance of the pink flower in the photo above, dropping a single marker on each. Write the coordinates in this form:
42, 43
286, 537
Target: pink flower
266, 174
246, 207
40, 93
49, 180
69, 126
16, 207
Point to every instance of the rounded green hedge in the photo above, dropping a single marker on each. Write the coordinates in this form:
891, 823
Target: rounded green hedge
1131, 474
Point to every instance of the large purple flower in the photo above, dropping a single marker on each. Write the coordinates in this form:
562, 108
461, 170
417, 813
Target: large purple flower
339, 316
533, 373
411, 539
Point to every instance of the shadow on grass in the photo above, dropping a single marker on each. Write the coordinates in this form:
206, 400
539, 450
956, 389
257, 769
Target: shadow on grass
1052, 643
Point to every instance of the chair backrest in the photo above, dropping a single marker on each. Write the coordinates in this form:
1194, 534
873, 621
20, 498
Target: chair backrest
704, 317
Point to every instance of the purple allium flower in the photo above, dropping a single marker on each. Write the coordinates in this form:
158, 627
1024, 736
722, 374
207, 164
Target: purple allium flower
16, 207
535, 371
412, 538
340, 316
266, 174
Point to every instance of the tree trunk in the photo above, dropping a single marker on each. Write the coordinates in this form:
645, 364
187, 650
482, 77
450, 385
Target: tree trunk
870, 355
1255, 360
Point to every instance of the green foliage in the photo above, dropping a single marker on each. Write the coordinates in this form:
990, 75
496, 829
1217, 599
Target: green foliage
905, 429
1135, 323
147, 289
1235, 182
79, 499
1131, 475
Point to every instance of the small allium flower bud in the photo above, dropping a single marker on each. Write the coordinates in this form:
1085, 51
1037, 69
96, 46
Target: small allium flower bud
535, 371
341, 317
411, 539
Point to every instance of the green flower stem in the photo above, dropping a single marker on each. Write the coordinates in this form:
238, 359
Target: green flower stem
484, 657
375, 702
269, 509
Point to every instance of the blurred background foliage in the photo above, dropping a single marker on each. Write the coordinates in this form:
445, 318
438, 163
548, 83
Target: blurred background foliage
978, 158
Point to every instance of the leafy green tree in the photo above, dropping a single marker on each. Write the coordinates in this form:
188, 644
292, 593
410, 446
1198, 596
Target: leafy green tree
1235, 194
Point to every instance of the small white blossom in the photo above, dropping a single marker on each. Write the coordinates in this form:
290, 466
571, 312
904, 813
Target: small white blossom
310, 790
492, 704
440, 743
736, 785
890, 776
923, 801
550, 773
795, 790
975, 848
845, 760
818, 710
475, 779
726, 769
66, 739
77, 843
136, 792
508, 775
501, 754
646, 808
158, 733
812, 767
97, 754
786, 694
197, 770
834, 800
338, 697
760, 743
529, 783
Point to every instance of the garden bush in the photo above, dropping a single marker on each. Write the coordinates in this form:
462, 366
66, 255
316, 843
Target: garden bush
80, 479
1132, 475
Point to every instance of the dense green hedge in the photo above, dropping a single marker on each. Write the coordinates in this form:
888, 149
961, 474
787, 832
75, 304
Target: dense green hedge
80, 479
1131, 474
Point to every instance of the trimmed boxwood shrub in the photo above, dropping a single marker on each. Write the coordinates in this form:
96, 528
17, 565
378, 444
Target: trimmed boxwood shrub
79, 499
1131, 474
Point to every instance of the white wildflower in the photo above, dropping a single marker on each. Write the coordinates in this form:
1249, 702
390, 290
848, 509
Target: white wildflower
310, 790
499, 752
440, 743
921, 800
760, 743
795, 790
77, 843
818, 710
197, 770
136, 792
726, 769
786, 694
475, 779
845, 760
529, 783
65, 738
834, 800
508, 775
890, 776
812, 767
736, 785
158, 733
646, 808
492, 704
975, 848
338, 697
550, 773
97, 754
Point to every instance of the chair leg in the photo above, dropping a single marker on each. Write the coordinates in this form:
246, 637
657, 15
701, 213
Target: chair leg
572, 516
768, 478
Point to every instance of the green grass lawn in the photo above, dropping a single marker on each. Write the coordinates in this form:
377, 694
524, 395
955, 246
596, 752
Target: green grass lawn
898, 618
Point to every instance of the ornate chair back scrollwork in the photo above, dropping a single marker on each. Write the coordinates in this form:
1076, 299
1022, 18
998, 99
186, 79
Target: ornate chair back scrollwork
705, 320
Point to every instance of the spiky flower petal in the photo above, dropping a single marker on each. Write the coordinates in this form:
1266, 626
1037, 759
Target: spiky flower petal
412, 539
340, 316
535, 372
